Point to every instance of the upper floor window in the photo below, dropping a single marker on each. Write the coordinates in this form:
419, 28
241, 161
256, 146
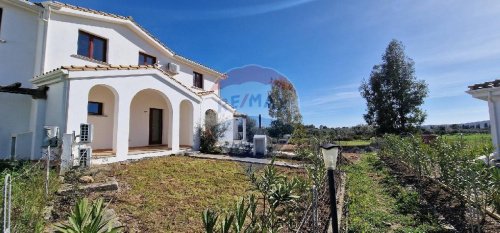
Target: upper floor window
92, 46
198, 80
145, 59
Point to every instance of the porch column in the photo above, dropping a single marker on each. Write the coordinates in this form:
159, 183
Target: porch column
235, 129
244, 129
494, 127
121, 131
176, 126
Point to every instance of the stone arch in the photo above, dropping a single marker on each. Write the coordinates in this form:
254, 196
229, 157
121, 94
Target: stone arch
102, 113
150, 119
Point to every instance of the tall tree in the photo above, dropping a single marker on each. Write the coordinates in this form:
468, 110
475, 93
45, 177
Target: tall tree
393, 93
283, 102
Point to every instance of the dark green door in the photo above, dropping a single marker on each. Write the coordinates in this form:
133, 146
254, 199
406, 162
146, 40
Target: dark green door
155, 126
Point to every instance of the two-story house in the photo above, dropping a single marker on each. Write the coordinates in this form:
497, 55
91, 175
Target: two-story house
78, 65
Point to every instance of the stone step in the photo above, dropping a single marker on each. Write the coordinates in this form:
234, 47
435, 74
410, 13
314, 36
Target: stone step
111, 185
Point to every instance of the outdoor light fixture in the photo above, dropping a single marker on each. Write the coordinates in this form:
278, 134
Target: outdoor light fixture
330, 154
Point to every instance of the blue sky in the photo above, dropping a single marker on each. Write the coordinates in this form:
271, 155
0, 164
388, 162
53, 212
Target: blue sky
326, 47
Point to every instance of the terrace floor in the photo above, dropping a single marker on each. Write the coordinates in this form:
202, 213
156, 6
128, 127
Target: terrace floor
104, 153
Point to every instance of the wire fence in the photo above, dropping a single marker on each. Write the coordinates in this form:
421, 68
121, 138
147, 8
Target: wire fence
316, 218
10, 179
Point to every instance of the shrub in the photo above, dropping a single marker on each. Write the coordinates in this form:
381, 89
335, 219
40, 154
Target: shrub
451, 162
210, 135
278, 209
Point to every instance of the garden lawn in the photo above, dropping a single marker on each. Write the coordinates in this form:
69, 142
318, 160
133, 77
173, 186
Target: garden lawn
377, 203
168, 194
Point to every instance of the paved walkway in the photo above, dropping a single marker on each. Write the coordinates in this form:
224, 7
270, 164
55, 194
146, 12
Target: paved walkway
246, 160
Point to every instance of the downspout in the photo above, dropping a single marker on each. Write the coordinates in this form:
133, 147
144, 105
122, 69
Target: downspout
45, 40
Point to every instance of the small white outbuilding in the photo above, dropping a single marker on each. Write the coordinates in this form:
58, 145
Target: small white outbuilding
490, 92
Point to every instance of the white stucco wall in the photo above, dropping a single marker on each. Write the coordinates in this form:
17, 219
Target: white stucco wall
15, 118
124, 46
56, 109
17, 55
224, 115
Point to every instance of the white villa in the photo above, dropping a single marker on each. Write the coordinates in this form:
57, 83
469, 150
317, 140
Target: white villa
76, 65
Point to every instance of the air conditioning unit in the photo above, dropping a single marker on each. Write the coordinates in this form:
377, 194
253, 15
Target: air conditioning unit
172, 68
51, 135
84, 156
86, 131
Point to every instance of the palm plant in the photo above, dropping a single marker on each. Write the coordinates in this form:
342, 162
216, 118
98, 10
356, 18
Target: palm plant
88, 218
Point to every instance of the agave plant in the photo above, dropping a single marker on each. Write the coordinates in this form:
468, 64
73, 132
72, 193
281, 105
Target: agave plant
210, 220
88, 218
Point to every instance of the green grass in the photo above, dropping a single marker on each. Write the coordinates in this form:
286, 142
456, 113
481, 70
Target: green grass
468, 137
476, 139
356, 143
28, 196
168, 194
377, 203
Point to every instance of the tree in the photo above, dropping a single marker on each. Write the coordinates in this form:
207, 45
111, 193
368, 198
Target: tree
251, 128
283, 102
278, 129
393, 93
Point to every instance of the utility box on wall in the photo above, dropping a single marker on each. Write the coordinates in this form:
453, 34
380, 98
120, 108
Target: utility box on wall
51, 136
259, 145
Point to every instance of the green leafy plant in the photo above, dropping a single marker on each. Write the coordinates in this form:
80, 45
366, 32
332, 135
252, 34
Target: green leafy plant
210, 220
88, 218
278, 210
454, 164
225, 225
210, 135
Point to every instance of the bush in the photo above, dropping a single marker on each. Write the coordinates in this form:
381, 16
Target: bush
278, 209
210, 135
451, 162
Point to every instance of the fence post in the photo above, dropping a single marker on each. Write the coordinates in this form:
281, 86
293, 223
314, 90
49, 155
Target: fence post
47, 174
315, 209
7, 191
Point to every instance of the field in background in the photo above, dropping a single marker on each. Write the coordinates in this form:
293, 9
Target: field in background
471, 139
355, 143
